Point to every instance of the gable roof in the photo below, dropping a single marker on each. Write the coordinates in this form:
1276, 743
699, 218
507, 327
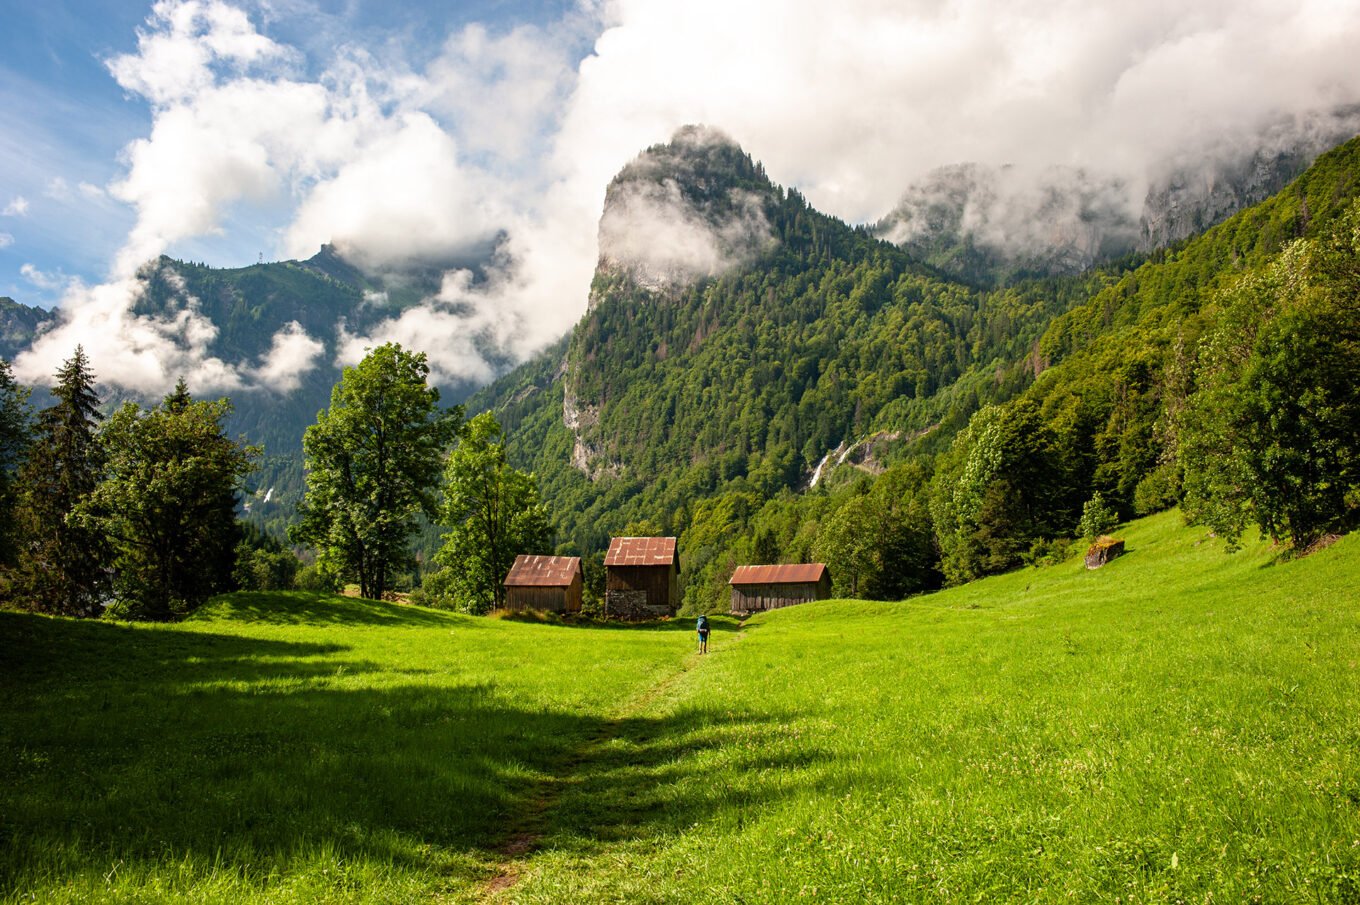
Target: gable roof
532, 571
799, 573
642, 551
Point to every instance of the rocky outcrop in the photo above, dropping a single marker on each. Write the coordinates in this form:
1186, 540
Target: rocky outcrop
1102, 551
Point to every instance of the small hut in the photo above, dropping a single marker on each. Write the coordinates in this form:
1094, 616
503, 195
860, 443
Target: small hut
757, 588
550, 583
642, 577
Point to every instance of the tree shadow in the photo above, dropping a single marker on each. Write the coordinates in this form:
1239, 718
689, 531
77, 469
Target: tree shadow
646, 778
157, 746
35, 650
315, 608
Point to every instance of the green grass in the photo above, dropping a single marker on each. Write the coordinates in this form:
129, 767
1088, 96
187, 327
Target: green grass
1181, 725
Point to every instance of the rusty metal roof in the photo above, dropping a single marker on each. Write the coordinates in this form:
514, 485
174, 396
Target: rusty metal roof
531, 571
642, 551
799, 573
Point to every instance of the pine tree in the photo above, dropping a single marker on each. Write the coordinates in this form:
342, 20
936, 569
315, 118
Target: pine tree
168, 503
14, 438
63, 563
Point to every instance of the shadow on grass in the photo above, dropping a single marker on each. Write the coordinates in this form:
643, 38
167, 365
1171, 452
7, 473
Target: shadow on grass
315, 608
647, 778
156, 747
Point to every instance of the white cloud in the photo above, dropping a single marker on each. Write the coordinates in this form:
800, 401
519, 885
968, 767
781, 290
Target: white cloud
650, 229
188, 40
17, 207
48, 282
6, 240
292, 355
401, 197
141, 353
58, 189
91, 191
503, 138
853, 106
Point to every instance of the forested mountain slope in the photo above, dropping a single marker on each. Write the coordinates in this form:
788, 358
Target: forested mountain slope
670, 399
668, 392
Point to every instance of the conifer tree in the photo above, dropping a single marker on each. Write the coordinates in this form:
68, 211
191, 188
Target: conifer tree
168, 503
63, 563
14, 439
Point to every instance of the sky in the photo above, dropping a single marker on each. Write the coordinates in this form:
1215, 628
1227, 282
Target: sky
232, 131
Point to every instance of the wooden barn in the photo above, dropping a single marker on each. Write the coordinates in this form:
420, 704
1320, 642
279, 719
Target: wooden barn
642, 577
549, 583
757, 588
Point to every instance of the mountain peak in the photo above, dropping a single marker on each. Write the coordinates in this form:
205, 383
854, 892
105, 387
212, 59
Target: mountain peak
686, 210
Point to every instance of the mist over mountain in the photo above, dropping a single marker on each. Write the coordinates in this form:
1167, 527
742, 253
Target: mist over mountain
990, 225
18, 325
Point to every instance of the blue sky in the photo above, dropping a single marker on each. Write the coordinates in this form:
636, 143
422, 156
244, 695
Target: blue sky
225, 131
64, 120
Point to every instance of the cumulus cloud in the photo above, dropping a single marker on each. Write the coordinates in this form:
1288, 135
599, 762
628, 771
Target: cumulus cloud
6, 240
506, 139
401, 198
17, 207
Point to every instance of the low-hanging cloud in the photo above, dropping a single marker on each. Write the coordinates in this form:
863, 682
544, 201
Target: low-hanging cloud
508, 139
652, 231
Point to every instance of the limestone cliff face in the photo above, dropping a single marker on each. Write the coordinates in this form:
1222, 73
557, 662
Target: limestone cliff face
692, 209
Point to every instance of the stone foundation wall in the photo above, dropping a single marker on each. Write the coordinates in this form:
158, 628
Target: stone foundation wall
627, 604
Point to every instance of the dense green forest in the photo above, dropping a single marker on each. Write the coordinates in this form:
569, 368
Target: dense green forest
998, 415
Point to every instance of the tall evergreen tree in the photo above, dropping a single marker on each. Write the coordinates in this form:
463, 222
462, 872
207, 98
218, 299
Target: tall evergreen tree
373, 462
15, 430
63, 563
168, 503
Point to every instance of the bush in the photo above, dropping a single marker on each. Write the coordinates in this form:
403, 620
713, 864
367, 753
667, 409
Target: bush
314, 577
260, 569
1159, 489
1097, 518
1048, 552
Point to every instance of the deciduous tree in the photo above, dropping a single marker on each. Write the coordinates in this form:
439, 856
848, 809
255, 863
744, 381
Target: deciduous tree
493, 514
373, 461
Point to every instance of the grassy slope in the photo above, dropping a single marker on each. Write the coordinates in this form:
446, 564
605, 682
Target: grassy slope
1178, 724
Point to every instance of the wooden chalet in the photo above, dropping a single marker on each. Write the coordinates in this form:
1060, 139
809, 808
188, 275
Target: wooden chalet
642, 577
757, 588
549, 583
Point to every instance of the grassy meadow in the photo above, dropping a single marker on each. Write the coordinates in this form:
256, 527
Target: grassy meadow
1178, 726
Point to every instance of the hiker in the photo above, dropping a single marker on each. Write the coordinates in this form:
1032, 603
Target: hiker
702, 626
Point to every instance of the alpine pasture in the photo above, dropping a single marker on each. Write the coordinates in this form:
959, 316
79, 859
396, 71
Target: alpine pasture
1179, 725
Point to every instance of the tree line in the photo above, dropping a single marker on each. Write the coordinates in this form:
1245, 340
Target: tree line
137, 514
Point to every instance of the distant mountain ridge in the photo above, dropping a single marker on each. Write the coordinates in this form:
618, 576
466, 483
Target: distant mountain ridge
990, 226
735, 338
